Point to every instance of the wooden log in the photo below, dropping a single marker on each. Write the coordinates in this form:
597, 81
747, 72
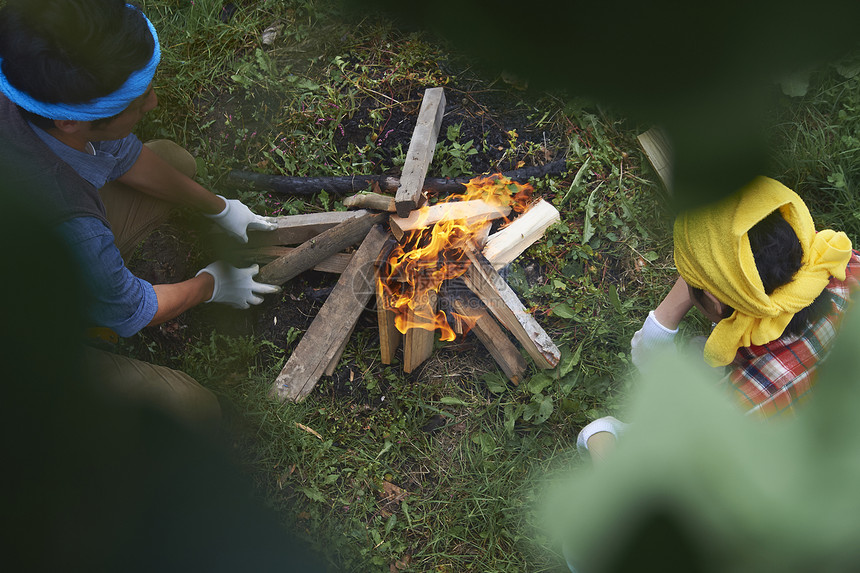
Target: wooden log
502, 301
658, 149
418, 342
386, 183
295, 229
469, 211
494, 339
371, 201
335, 320
334, 264
420, 153
313, 251
389, 336
509, 243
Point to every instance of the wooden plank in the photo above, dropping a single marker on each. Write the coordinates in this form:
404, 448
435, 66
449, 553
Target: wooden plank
389, 336
334, 264
420, 153
471, 212
494, 339
333, 323
418, 342
658, 149
332, 366
484, 281
509, 243
295, 229
371, 201
317, 249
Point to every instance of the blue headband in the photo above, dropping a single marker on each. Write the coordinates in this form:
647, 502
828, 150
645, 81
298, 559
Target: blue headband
99, 108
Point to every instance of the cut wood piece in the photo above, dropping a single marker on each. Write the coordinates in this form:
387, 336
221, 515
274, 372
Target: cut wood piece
332, 366
371, 201
295, 229
470, 212
317, 249
326, 335
389, 336
658, 149
509, 243
421, 148
418, 342
494, 339
334, 264
484, 281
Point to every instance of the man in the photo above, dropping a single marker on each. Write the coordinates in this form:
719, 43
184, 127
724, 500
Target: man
76, 76
775, 289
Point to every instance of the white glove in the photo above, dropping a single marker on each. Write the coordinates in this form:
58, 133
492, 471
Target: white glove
237, 219
236, 287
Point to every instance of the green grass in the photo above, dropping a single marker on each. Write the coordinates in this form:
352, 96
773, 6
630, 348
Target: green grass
474, 484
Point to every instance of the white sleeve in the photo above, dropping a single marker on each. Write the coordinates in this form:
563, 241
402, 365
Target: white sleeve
650, 337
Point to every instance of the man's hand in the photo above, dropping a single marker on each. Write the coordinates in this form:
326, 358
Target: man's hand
236, 287
237, 219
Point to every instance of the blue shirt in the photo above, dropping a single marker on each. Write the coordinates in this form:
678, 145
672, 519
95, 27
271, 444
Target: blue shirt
119, 300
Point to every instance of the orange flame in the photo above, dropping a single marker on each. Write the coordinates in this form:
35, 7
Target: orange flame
416, 268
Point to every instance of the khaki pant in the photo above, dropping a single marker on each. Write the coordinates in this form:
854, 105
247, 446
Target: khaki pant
133, 215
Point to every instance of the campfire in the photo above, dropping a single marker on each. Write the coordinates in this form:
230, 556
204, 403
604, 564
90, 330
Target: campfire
431, 268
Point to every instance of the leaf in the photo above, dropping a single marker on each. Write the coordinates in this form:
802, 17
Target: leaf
486, 441
451, 401
495, 383
545, 410
588, 228
568, 365
613, 298
563, 310
576, 179
389, 525
538, 383
312, 493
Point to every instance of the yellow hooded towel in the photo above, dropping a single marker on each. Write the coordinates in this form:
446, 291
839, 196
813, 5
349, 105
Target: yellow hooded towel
712, 252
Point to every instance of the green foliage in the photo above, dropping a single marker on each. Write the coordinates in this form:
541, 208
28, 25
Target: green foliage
451, 157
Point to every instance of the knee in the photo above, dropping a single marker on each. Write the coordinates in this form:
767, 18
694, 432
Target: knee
174, 154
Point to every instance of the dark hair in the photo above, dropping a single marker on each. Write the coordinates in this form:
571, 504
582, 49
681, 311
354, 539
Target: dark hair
71, 51
778, 256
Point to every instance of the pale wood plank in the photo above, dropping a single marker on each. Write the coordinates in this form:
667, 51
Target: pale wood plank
470, 212
509, 243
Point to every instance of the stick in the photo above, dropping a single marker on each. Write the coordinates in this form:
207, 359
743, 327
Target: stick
332, 325
470, 212
387, 183
421, 148
371, 201
509, 243
389, 336
313, 251
484, 281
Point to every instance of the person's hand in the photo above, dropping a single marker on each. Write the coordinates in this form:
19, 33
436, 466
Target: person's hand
237, 219
236, 287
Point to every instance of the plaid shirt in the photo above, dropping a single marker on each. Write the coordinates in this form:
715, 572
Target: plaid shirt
771, 380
